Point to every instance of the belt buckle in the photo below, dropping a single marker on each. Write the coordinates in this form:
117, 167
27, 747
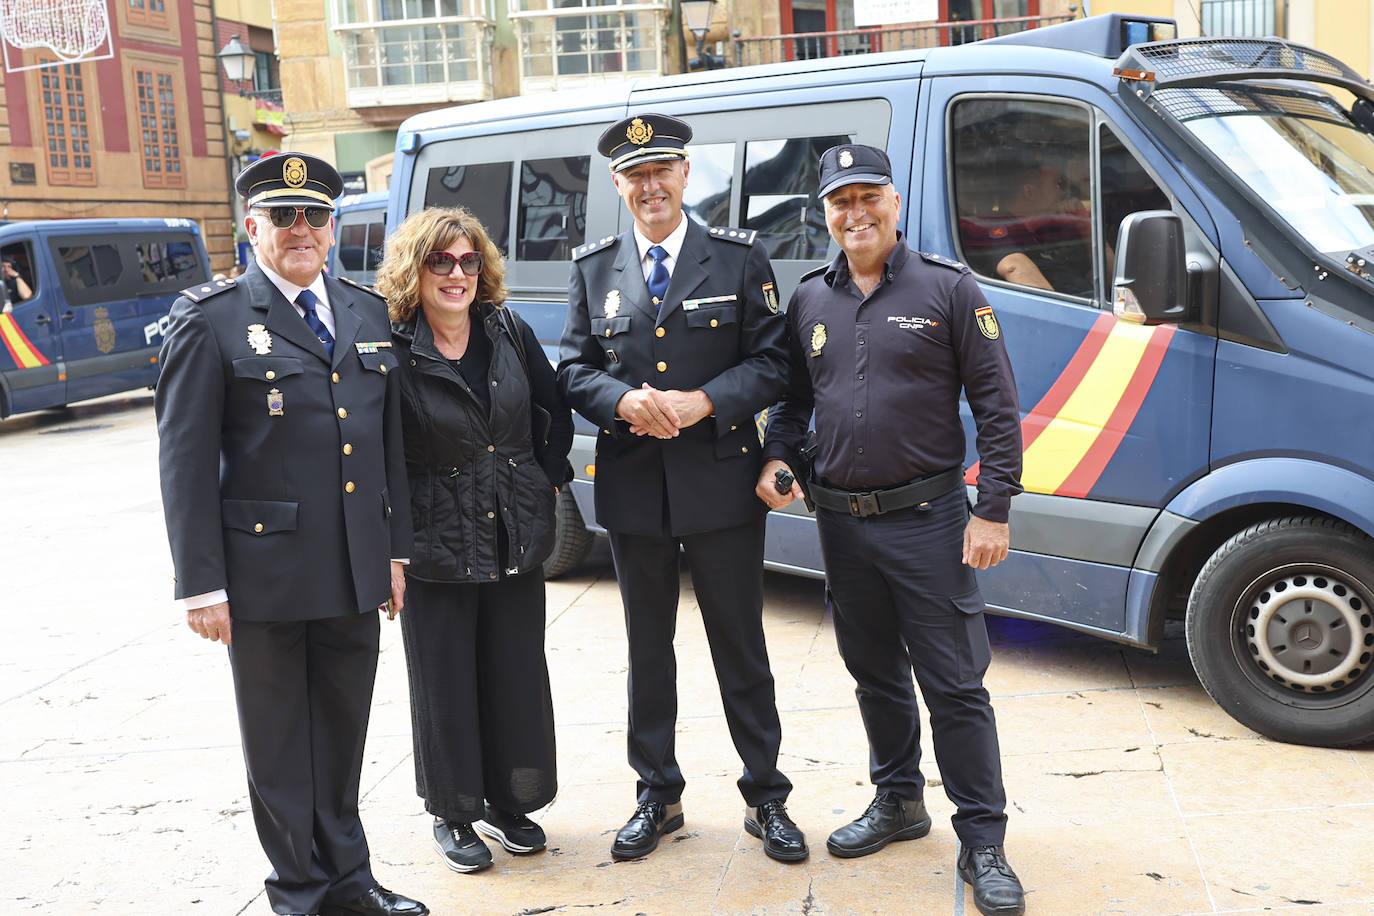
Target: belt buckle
862, 505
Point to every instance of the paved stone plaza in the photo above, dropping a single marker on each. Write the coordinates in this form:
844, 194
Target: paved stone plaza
1130, 791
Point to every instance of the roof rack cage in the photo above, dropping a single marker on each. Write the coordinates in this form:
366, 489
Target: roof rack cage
1207, 61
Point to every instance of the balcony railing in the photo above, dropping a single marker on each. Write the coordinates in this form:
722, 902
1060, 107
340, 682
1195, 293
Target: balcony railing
423, 60
811, 45
590, 44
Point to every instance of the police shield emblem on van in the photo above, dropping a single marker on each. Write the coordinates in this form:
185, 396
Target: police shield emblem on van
104, 330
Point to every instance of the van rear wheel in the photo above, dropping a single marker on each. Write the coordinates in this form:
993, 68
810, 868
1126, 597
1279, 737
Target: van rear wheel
571, 540
1280, 630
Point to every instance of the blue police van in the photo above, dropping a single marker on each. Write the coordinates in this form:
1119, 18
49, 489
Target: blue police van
1177, 239
359, 236
85, 304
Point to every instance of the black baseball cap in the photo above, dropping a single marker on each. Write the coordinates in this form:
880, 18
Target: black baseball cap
853, 163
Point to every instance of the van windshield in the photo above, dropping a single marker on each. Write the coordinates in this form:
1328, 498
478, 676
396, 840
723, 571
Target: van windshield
1298, 152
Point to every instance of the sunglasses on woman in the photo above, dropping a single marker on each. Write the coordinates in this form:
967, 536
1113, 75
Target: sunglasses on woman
441, 263
285, 217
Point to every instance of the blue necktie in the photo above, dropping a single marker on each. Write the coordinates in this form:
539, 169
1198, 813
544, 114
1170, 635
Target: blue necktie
308, 300
658, 277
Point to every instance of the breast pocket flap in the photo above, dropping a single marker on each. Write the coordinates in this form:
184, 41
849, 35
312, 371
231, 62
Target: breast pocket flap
267, 368
610, 327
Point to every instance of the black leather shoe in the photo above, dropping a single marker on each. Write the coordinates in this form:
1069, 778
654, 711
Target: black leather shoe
996, 889
889, 817
377, 902
639, 836
782, 839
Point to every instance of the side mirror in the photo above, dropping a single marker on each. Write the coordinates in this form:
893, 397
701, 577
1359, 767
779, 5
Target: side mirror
1150, 283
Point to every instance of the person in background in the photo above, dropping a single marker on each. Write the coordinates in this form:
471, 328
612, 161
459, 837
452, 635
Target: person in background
17, 289
486, 443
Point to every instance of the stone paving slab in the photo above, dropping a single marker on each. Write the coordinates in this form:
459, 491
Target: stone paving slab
1129, 791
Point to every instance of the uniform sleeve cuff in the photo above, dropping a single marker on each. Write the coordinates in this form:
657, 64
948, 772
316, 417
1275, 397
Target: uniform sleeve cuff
993, 508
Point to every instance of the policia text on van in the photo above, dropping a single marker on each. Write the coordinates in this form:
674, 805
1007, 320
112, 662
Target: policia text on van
1176, 238
86, 303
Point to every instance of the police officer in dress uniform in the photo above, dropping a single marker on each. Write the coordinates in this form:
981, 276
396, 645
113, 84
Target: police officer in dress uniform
673, 343
281, 462
882, 341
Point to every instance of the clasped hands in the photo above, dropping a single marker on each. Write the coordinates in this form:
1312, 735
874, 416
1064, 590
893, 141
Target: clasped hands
662, 414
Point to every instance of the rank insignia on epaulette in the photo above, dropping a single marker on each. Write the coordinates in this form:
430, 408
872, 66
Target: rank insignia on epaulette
207, 289
260, 339
817, 339
743, 236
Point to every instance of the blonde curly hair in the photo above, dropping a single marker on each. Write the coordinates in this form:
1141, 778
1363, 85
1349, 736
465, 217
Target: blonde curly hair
435, 229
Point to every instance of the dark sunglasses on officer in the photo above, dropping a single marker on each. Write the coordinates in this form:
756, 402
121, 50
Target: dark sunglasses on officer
285, 217
440, 263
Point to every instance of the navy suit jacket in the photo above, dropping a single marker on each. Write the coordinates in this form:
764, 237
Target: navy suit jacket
718, 330
280, 465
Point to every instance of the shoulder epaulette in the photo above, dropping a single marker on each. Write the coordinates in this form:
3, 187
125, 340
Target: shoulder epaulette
814, 272
202, 291
942, 260
356, 285
742, 236
581, 251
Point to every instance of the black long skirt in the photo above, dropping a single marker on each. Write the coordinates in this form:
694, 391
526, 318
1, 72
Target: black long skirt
481, 712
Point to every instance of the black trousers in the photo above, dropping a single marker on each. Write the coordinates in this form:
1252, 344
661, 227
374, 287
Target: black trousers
727, 573
481, 712
304, 691
903, 602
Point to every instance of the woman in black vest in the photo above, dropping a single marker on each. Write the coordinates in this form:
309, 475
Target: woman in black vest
486, 445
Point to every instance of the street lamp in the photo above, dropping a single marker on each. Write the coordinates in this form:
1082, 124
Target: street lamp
697, 15
239, 63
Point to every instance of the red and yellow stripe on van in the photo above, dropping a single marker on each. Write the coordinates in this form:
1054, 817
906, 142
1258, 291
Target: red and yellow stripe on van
22, 350
1071, 435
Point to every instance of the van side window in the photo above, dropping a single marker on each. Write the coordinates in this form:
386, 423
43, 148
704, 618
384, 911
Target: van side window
483, 188
553, 207
89, 266
707, 195
780, 185
168, 261
362, 243
1023, 192
1126, 188
19, 275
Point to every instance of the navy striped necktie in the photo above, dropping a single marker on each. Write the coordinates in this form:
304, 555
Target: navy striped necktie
658, 277
308, 300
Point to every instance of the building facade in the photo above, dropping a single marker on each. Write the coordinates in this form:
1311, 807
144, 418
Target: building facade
111, 109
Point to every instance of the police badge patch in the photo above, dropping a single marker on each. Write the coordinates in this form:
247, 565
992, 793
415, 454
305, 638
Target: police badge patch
611, 307
846, 158
817, 339
259, 339
987, 322
770, 297
104, 330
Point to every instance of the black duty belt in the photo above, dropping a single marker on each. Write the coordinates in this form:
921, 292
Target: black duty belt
876, 502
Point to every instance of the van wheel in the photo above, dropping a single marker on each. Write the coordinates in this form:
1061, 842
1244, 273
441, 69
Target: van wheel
571, 540
1281, 630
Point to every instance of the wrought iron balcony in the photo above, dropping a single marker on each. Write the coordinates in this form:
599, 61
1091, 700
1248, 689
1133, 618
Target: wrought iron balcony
769, 49
418, 60
592, 44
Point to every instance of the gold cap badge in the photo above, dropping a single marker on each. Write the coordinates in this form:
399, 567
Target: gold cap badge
293, 172
638, 132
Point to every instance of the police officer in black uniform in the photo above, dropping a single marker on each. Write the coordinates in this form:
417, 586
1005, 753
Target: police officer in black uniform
673, 343
281, 460
882, 341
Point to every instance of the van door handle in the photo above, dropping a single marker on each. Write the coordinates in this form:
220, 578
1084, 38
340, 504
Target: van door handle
40, 318
69, 315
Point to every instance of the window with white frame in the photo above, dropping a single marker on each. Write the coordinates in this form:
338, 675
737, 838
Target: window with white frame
571, 43
1249, 18
409, 51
